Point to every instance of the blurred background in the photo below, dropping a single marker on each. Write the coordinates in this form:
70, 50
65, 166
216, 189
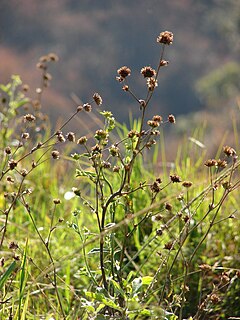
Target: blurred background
94, 38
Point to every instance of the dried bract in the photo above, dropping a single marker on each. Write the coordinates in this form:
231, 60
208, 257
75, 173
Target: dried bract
148, 72
165, 37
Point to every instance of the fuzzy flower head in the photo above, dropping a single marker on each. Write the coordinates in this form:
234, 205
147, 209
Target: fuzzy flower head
165, 37
152, 84
148, 72
123, 73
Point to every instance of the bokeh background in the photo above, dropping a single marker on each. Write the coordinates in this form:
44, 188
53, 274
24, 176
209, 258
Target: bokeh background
94, 38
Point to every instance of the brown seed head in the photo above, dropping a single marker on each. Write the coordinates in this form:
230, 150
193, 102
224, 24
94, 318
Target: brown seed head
164, 63
210, 163
155, 187
169, 245
24, 172
55, 154
60, 137
168, 206
25, 87
87, 107
56, 201
82, 140
153, 124
25, 135
157, 118
10, 179
53, 57
116, 169
12, 164
124, 72
152, 84
229, 151
175, 178
79, 108
97, 98
71, 136
29, 117
13, 245
187, 184
165, 37
114, 150
214, 298
221, 163
125, 88
8, 150
171, 118
205, 267
148, 72
132, 134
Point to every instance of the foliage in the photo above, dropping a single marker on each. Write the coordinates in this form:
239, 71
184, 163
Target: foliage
93, 228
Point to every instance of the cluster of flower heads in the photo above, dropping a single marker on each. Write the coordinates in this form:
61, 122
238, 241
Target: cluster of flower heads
165, 38
228, 151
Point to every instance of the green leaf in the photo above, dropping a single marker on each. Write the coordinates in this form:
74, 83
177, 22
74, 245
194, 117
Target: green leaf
101, 298
7, 274
147, 280
117, 288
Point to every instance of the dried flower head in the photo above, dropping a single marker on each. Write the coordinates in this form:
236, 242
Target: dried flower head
169, 245
101, 134
114, 150
152, 84
25, 135
12, 164
71, 136
229, 151
97, 98
125, 88
55, 154
106, 165
205, 267
168, 206
132, 133
60, 136
175, 178
165, 37
53, 57
187, 184
56, 201
25, 87
153, 124
29, 117
214, 298
87, 107
24, 172
13, 245
116, 169
210, 163
124, 72
163, 63
79, 108
8, 150
10, 179
155, 187
171, 118
148, 72
221, 163
82, 140
157, 118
